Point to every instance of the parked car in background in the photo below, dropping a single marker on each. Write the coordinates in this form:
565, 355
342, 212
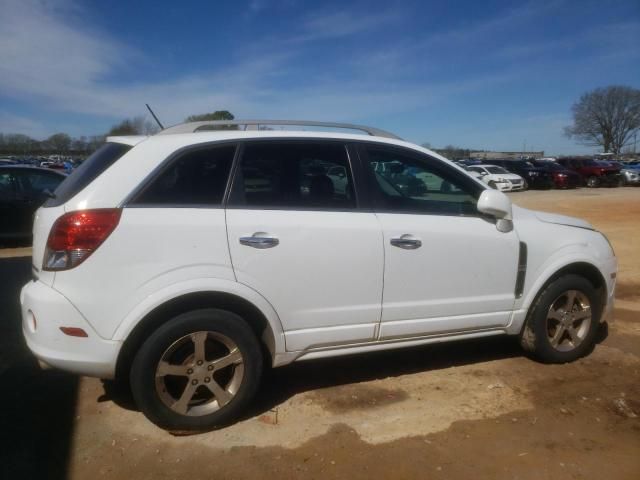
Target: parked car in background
534, 176
630, 173
475, 174
22, 190
630, 176
158, 263
562, 176
498, 178
594, 174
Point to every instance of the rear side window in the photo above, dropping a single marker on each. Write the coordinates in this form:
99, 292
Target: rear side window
312, 175
86, 173
195, 178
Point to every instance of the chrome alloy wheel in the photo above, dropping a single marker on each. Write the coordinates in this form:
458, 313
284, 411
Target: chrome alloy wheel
199, 373
569, 320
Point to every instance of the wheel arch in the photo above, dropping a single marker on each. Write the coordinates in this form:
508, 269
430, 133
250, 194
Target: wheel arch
581, 268
269, 339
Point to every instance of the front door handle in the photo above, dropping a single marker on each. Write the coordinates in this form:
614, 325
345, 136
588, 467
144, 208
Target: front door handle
259, 240
406, 241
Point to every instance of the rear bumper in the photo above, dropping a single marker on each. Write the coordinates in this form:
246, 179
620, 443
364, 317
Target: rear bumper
90, 355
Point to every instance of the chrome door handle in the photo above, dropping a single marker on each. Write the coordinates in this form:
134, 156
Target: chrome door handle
259, 240
408, 242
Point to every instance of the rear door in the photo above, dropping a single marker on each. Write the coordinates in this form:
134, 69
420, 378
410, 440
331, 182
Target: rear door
447, 268
297, 237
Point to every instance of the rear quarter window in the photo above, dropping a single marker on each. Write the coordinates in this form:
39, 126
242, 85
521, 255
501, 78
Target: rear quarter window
87, 172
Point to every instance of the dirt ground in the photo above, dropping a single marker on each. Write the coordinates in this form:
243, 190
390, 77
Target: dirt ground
457, 411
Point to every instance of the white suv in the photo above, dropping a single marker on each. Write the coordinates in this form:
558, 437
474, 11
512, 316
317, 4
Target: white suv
184, 261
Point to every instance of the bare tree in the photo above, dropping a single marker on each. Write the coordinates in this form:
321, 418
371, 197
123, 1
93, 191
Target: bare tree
606, 117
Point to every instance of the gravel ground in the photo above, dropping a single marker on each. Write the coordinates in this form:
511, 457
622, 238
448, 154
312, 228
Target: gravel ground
461, 410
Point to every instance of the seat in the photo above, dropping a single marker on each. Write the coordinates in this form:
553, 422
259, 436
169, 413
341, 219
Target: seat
321, 189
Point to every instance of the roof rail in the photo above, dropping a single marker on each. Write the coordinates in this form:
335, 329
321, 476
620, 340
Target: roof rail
193, 127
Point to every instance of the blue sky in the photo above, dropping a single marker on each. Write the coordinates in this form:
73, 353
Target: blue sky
480, 74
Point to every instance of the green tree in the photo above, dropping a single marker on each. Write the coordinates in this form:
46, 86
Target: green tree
607, 117
217, 115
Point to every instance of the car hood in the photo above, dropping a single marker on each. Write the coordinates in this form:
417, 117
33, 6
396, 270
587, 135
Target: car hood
551, 218
507, 176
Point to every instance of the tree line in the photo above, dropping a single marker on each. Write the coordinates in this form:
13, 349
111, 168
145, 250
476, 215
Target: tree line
63, 144
607, 117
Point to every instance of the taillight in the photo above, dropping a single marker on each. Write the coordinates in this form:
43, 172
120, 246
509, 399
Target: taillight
76, 235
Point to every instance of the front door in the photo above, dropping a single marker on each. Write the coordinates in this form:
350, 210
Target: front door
296, 236
447, 268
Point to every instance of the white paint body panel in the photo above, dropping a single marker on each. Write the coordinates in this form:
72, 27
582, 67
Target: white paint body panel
325, 272
151, 249
334, 285
462, 277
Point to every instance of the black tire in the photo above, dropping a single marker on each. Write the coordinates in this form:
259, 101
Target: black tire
219, 325
535, 334
593, 181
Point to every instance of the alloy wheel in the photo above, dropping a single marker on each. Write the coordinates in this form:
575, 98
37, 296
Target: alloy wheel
199, 373
569, 320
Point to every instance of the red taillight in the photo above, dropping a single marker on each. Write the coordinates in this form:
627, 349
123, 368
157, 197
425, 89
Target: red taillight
75, 235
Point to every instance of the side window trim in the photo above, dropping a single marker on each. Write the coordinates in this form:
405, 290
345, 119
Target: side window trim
372, 187
168, 163
235, 198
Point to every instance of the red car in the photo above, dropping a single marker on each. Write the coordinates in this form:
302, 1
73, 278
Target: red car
593, 173
562, 176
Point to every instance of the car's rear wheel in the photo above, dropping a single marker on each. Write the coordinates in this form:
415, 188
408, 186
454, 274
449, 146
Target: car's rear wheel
197, 371
563, 322
593, 181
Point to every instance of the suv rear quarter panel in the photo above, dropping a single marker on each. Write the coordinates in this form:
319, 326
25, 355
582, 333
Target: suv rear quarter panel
150, 249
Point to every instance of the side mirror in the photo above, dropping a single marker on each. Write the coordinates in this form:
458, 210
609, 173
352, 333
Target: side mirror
498, 205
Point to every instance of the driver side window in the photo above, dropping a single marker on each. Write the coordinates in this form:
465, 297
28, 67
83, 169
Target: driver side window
407, 183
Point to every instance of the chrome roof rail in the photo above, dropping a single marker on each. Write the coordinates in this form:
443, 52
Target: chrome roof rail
193, 127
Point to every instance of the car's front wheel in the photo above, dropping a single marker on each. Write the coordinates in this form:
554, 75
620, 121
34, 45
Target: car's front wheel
563, 322
197, 371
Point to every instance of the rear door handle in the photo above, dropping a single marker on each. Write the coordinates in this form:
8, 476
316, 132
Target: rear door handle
406, 241
260, 240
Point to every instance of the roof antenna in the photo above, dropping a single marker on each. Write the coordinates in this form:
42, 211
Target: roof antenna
154, 116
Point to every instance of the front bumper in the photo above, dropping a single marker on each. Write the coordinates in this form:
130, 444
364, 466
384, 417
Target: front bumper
610, 270
503, 186
90, 355
631, 178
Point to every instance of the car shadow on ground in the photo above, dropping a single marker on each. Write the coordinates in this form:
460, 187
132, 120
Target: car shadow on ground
280, 384
37, 408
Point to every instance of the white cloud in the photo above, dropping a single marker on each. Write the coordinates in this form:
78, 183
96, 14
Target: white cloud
53, 62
